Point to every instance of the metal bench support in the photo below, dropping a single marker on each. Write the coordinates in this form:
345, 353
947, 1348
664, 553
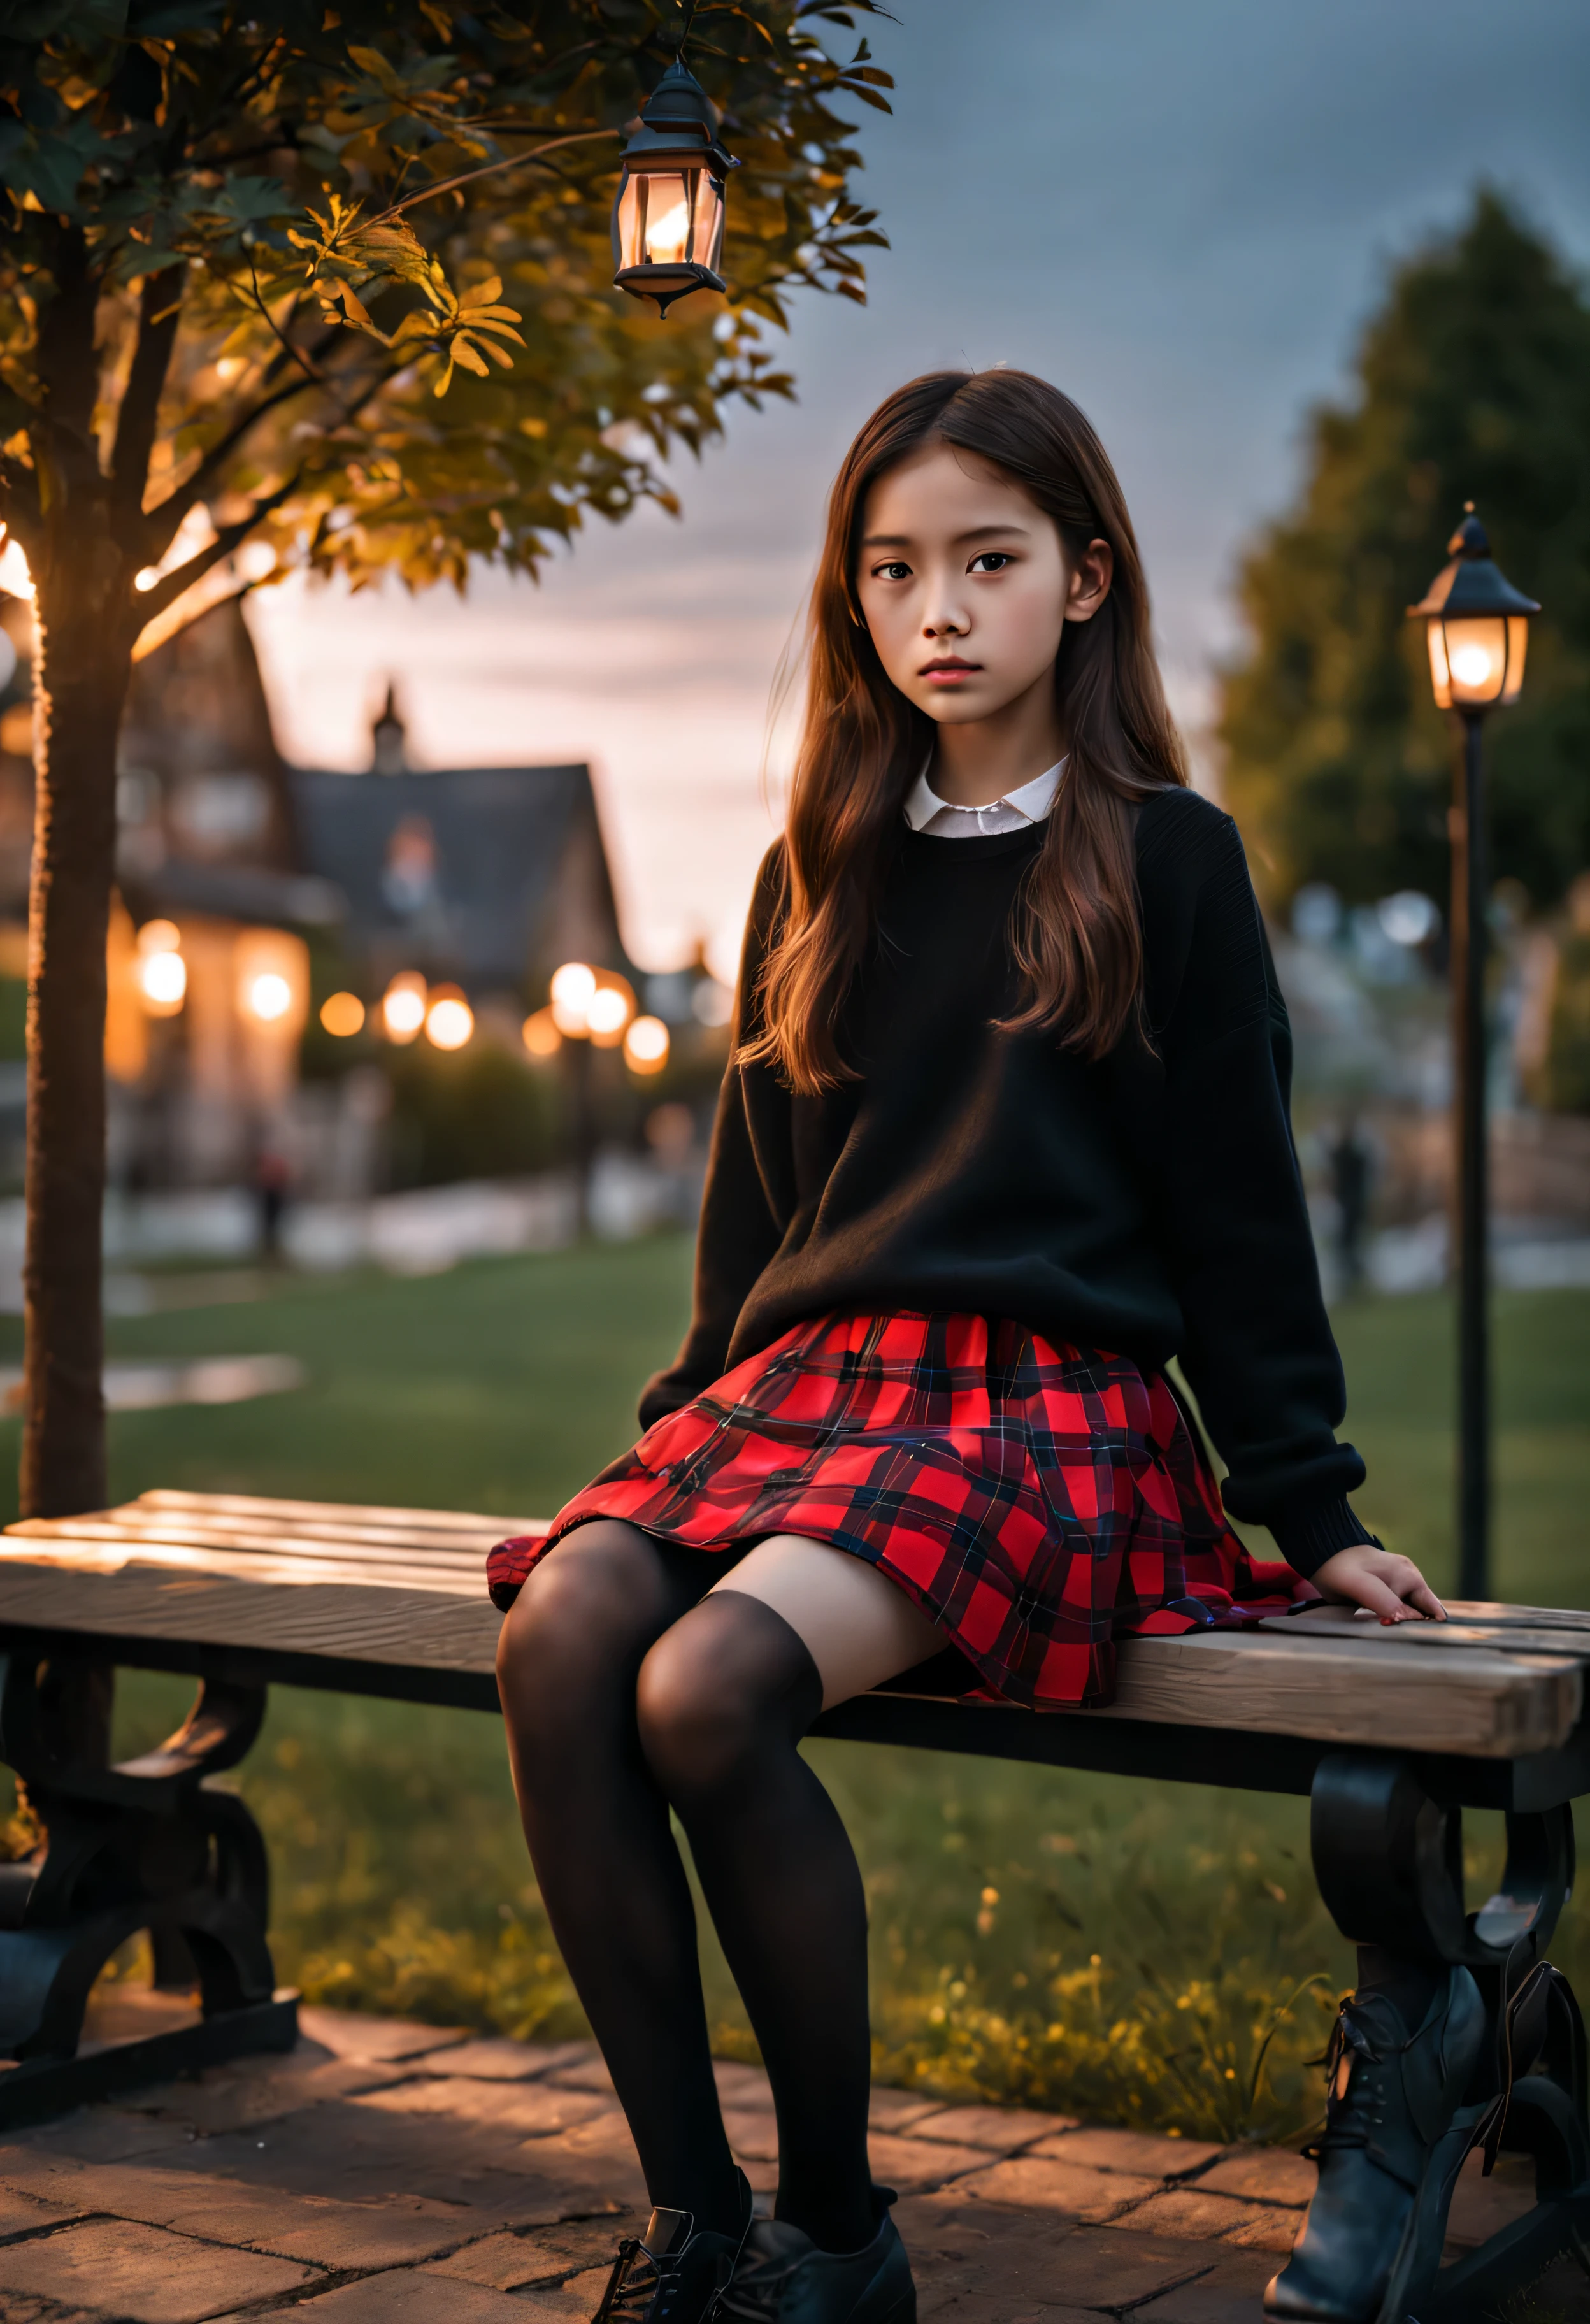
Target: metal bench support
147, 1845
1387, 1838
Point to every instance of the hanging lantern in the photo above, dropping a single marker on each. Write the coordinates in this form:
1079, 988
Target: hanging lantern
667, 220
1477, 625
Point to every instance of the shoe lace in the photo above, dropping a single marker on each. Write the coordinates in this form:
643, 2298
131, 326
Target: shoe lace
635, 2287
1354, 2087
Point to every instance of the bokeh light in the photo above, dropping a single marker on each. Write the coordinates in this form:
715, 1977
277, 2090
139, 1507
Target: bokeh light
573, 988
646, 1045
267, 997
449, 1020
540, 1035
344, 1015
403, 1006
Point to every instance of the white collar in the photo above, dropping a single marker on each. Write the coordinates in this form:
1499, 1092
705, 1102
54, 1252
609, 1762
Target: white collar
1031, 800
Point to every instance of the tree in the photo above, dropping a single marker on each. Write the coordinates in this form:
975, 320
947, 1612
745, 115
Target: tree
1473, 383
328, 287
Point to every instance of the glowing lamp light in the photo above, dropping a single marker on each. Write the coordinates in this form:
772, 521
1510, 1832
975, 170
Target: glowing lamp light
449, 1021
667, 220
646, 1045
403, 1006
1476, 626
573, 989
342, 1015
160, 936
268, 997
162, 980
610, 1009
540, 1035
15, 578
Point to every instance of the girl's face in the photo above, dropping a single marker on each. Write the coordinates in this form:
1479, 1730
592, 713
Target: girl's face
965, 584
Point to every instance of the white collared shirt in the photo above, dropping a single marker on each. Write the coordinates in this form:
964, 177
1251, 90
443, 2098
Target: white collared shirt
926, 811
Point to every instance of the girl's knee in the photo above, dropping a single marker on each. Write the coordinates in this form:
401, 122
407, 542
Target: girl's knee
588, 1609
719, 1690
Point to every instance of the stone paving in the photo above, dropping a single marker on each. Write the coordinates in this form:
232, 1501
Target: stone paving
390, 2173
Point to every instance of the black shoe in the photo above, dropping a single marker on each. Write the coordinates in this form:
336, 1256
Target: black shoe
673, 2273
1373, 2227
782, 2278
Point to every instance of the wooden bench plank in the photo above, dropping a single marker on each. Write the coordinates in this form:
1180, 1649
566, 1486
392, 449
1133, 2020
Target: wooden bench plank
1484, 1703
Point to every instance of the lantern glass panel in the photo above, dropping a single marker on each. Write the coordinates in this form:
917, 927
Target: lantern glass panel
671, 217
1476, 659
1518, 640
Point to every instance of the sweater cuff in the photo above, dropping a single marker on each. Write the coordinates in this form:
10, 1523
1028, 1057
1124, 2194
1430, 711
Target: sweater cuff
1308, 1535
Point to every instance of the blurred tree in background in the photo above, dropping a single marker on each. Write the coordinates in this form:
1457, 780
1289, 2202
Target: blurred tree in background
1473, 383
329, 287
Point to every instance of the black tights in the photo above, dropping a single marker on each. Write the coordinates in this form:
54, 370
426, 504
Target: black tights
627, 1690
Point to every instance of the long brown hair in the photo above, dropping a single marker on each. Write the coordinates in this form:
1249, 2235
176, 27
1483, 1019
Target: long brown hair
1075, 931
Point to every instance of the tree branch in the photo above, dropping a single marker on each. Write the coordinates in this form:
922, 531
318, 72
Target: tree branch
512, 162
149, 603
160, 311
162, 520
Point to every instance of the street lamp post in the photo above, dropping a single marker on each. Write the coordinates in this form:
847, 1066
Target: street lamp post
1478, 628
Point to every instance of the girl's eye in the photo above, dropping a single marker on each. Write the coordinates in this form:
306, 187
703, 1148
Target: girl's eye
992, 561
895, 570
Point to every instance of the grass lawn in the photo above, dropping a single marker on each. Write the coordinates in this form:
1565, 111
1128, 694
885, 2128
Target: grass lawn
1151, 1957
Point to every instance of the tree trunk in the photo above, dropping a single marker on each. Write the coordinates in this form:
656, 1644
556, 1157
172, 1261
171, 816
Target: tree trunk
82, 670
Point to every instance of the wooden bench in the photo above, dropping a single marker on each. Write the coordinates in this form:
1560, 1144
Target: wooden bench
1391, 1733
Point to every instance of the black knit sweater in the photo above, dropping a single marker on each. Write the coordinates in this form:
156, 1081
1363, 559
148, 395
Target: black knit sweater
1149, 1203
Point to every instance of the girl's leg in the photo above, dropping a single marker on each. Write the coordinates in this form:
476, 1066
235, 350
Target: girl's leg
724, 1697
597, 1825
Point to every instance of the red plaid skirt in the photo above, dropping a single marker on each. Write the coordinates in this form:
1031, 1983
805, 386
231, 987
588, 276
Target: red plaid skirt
1037, 1502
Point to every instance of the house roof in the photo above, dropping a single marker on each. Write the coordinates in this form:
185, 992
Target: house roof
482, 874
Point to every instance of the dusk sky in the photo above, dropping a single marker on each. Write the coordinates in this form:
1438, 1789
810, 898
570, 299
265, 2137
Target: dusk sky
1179, 210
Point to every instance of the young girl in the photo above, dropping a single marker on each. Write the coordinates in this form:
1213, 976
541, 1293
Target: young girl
1005, 1129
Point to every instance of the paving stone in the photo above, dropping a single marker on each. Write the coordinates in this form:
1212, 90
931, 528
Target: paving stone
20, 2308
1140, 2151
549, 2256
142, 2273
493, 2060
415, 2296
23, 2214
1268, 2173
1082, 2194
525, 2109
233, 2099
1232, 2292
752, 2135
105, 2134
1267, 2228
302, 2227
898, 2109
1187, 2211
910, 2164
349, 2034
991, 2248
590, 2073
745, 2086
1000, 2128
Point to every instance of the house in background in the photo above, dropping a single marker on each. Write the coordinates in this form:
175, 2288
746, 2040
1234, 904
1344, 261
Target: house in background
248, 889
484, 877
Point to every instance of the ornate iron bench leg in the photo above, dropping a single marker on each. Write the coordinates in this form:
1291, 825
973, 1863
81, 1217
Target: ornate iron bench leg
1388, 1855
144, 1846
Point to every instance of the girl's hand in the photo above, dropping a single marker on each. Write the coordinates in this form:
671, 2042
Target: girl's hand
1391, 1587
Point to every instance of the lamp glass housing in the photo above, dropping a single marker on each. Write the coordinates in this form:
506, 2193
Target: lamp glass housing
1477, 660
669, 227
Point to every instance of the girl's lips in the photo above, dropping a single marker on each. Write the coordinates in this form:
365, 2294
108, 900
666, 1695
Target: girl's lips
949, 673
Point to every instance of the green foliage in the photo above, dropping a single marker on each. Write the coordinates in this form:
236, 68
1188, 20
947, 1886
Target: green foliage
247, 250
1473, 384
475, 1113
14, 1017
